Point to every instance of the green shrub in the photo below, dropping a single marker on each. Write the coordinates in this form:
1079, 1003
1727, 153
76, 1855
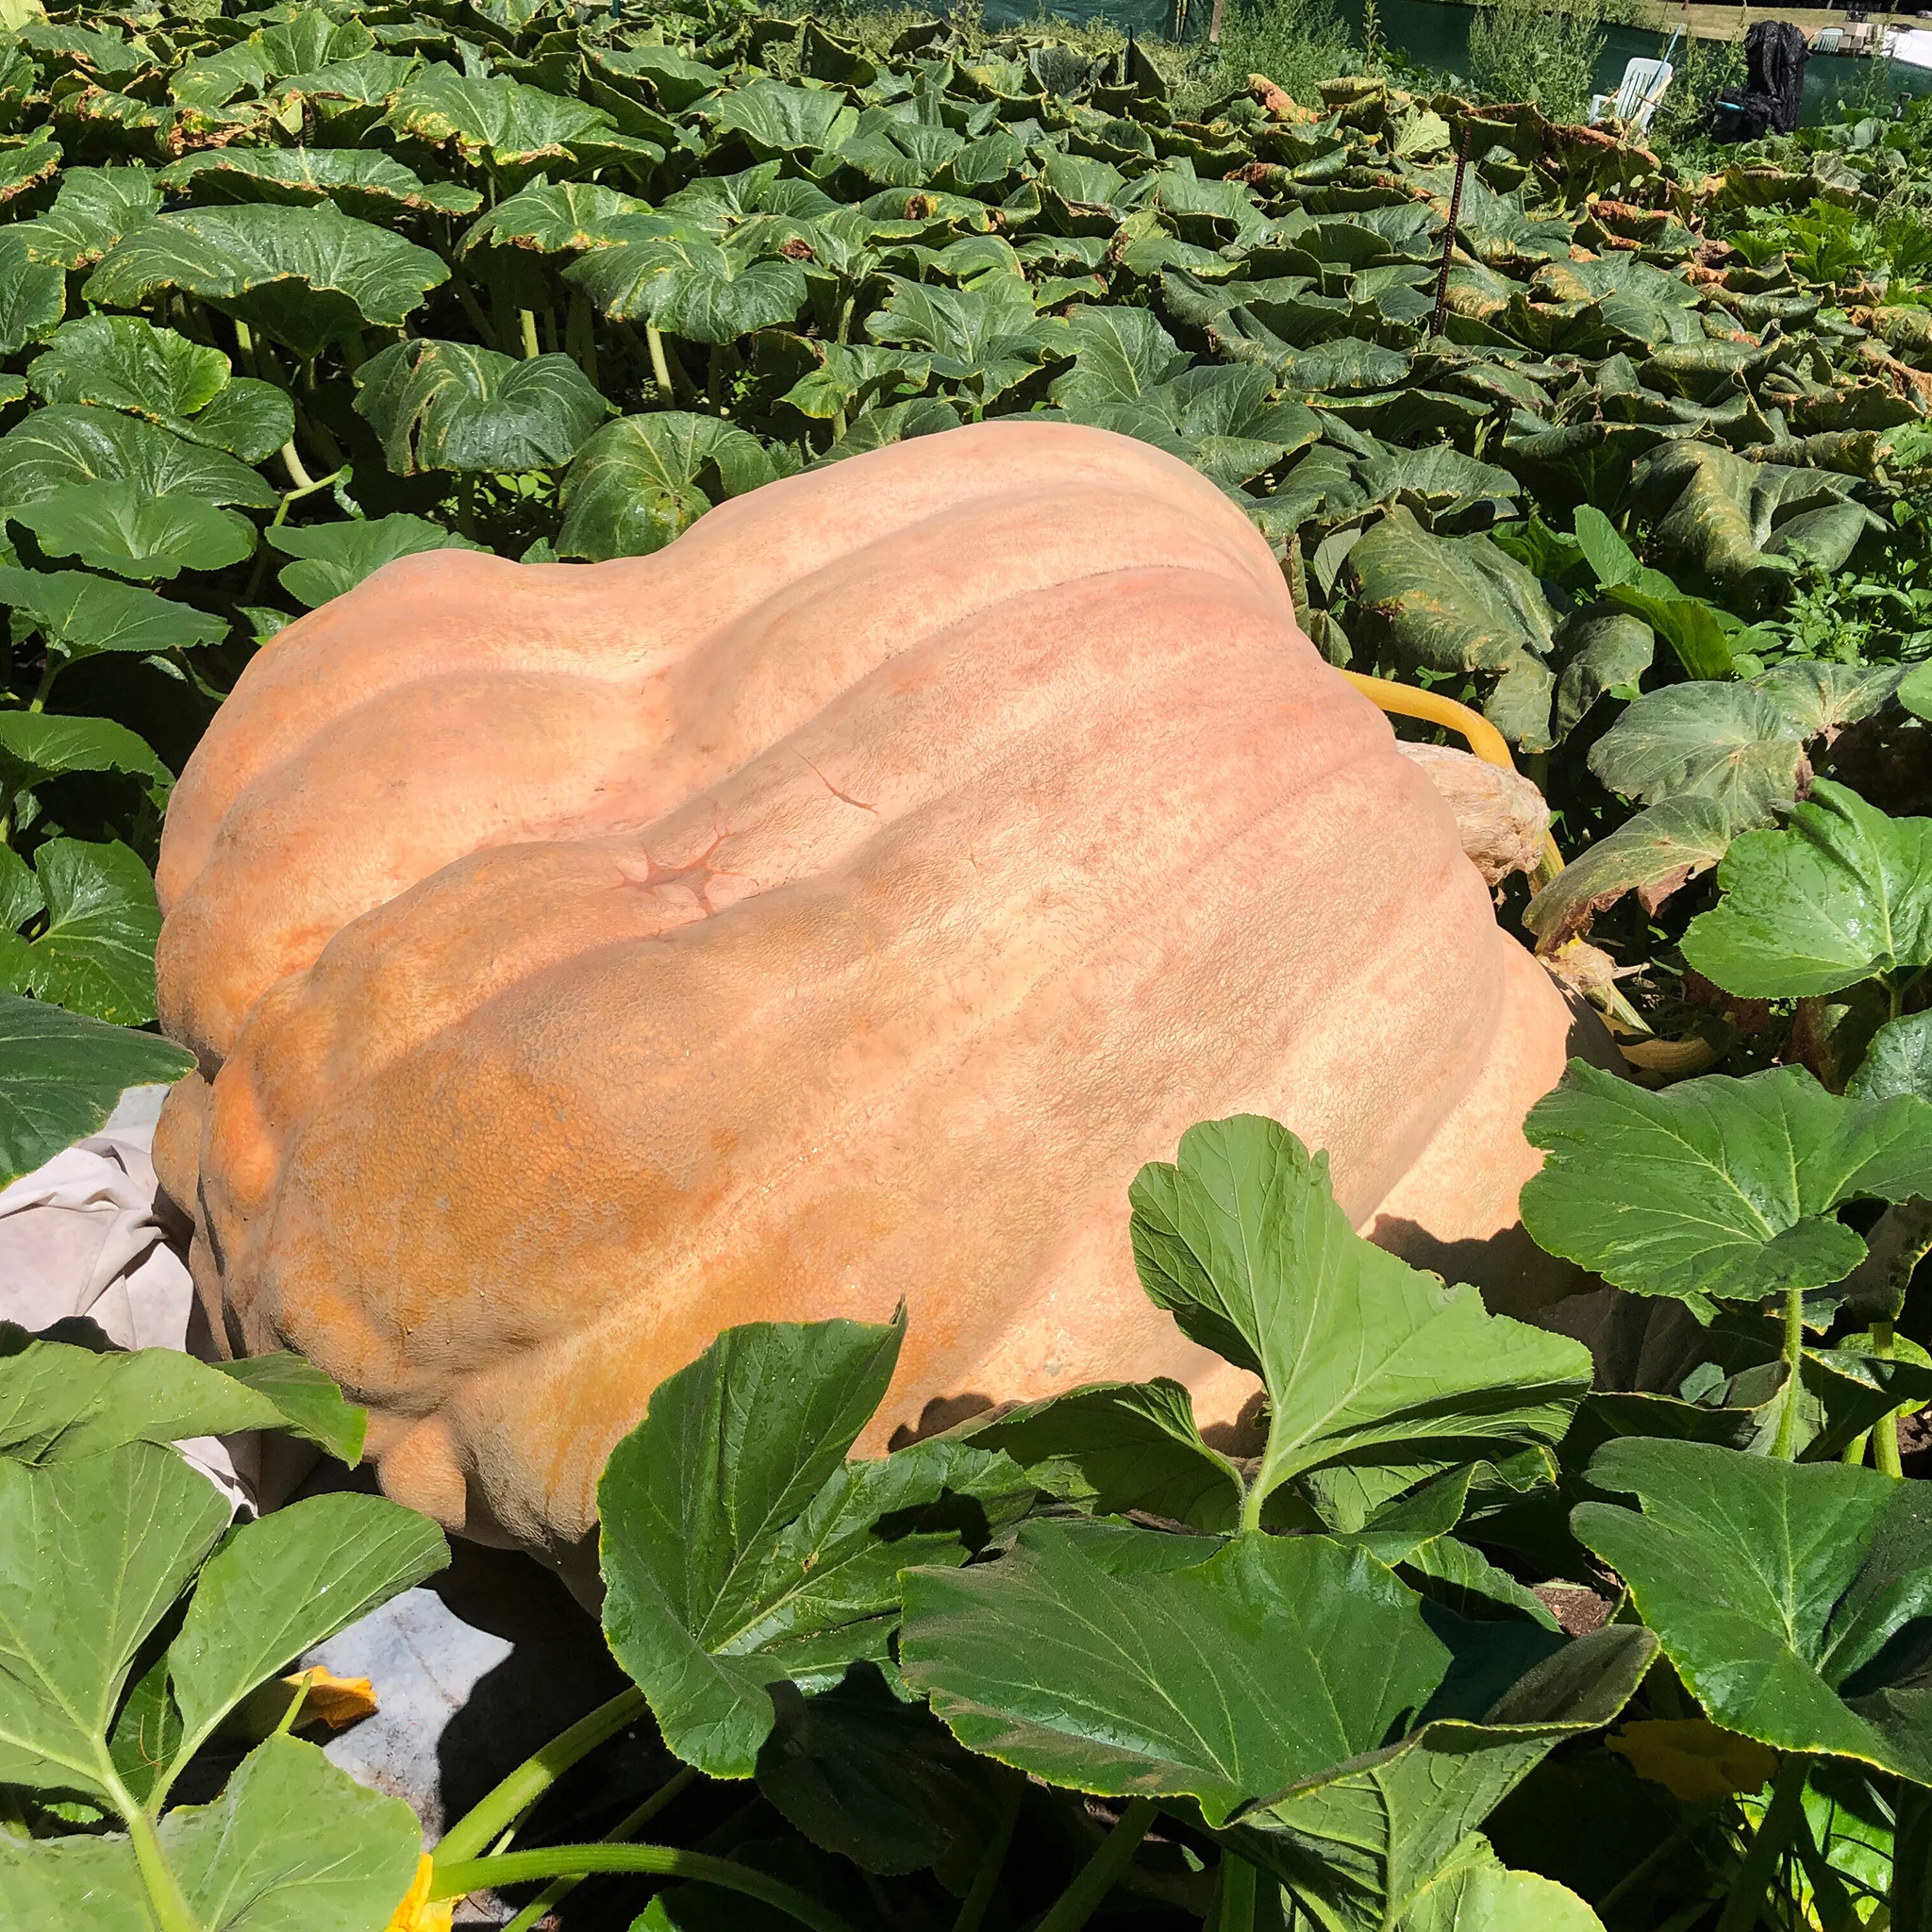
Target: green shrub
1522, 50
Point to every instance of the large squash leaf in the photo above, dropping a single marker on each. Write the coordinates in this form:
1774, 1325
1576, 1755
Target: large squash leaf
92, 209
1748, 525
1742, 744
1716, 1186
98, 1550
68, 443
95, 953
1448, 604
33, 295
1844, 893
60, 1403
679, 280
554, 218
334, 557
1785, 1594
118, 527
305, 276
740, 1547
1265, 1682
640, 482
1366, 1361
1652, 854
359, 181
60, 1074
452, 406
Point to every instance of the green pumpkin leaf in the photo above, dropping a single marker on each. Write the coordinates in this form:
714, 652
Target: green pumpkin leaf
125, 362
1479, 1893
554, 218
91, 212
1119, 356
1783, 1593
250, 420
683, 283
305, 276
1447, 603
34, 161
1262, 1661
1388, 1839
1116, 1446
497, 121
96, 953
116, 527
307, 1402
36, 745
33, 295
282, 1584
774, 119
99, 1549
1899, 1060
1915, 690
1844, 893
986, 336
739, 1546
60, 1076
1366, 1361
360, 182
1599, 650
1687, 625
1747, 525
366, 80
293, 1845
60, 1403
1742, 744
640, 480
335, 557
864, 1773
67, 444
452, 406
1716, 1186
1652, 854
87, 613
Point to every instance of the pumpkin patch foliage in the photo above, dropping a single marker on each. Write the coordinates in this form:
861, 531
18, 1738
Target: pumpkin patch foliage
1604, 1616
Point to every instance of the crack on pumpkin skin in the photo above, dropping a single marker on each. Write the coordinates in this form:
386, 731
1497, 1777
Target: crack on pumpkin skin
696, 873
843, 797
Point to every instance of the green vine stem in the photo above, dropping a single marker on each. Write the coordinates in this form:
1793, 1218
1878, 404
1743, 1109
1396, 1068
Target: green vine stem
631, 1822
494, 1813
1787, 1807
526, 321
299, 478
1885, 1430
1103, 1870
660, 367
1236, 1906
1786, 1446
985, 1879
173, 1913
659, 1861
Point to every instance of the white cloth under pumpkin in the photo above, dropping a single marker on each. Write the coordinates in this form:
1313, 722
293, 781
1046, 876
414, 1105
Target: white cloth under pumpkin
86, 1235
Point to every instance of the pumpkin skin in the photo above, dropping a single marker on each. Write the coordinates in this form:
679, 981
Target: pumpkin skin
834, 909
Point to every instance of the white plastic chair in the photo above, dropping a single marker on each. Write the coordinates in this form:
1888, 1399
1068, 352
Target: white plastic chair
1637, 99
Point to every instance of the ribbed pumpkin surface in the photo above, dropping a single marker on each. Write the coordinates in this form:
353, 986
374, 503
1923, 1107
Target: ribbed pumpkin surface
834, 907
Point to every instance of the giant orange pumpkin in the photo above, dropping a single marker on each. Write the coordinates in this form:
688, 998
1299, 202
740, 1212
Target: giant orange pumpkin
837, 906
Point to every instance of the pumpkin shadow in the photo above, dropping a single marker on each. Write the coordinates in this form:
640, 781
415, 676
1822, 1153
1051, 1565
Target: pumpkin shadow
558, 1668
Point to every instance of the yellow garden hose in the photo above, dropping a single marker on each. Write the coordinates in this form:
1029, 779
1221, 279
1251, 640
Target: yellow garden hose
1666, 1057
1485, 741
